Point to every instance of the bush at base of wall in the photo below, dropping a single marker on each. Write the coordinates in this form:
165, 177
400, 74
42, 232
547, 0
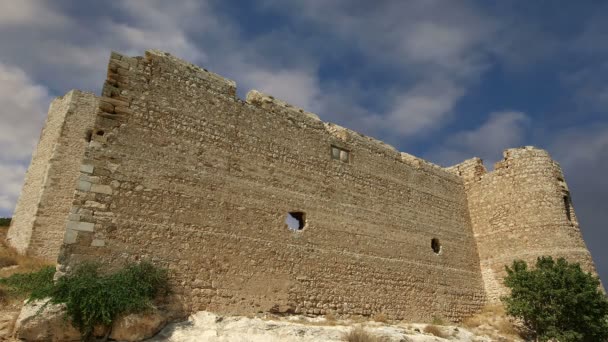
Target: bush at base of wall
5, 221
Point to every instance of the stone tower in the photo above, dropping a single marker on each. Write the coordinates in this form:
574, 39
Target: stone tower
521, 210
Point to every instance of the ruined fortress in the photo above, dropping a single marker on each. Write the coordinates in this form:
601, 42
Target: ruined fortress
169, 165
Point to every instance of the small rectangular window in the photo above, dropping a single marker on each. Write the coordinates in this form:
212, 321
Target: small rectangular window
335, 153
340, 154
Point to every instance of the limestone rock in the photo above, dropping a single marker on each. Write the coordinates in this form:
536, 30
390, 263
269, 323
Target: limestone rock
137, 327
7, 319
211, 327
38, 322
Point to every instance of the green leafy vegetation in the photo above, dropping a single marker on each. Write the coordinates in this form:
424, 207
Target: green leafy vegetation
557, 300
22, 285
92, 297
5, 221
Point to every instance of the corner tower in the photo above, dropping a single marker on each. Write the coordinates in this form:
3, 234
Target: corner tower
521, 210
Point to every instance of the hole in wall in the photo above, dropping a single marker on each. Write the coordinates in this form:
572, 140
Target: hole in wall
295, 220
436, 246
100, 133
567, 207
88, 136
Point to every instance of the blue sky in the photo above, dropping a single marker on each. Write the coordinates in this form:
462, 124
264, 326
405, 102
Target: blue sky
444, 80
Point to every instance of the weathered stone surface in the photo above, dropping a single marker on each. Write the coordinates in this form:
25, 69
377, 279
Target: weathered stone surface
47, 324
203, 182
137, 327
191, 177
521, 210
7, 320
38, 223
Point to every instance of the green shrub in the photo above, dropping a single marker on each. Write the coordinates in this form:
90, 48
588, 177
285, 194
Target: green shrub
557, 300
5, 221
93, 298
36, 284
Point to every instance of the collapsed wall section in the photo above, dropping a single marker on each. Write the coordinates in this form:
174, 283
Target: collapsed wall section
521, 210
186, 175
39, 219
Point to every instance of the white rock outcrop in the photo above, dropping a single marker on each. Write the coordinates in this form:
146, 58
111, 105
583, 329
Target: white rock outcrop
208, 327
137, 327
42, 321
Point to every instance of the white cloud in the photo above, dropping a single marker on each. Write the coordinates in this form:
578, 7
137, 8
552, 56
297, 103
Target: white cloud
23, 109
297, 87
32, 13
423, 107
502, 130
23, 106
12, 179
438, 48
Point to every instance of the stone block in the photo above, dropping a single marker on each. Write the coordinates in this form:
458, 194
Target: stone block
98, 243
101, 189
84, 186
81, 226
87, 168
70, 236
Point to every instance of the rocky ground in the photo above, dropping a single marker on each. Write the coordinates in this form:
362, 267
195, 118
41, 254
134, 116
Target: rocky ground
9, 310
209, 327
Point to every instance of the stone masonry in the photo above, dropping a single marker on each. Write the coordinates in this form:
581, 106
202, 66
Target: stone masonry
38, 223
181, 172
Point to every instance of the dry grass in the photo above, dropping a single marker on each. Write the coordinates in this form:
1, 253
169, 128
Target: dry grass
330, 318
435, 330
380, 317
494, 317
359, 334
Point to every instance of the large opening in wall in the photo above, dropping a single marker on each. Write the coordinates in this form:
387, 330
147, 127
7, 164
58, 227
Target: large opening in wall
435, 245
567, 207
295, 220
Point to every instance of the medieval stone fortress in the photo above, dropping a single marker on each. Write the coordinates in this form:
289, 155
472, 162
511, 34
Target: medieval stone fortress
169, 165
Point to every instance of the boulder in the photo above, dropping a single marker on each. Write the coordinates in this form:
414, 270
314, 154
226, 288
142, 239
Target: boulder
42, 321
137, 327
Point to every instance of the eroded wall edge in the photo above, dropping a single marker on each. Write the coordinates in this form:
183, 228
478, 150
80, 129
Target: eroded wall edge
40, 213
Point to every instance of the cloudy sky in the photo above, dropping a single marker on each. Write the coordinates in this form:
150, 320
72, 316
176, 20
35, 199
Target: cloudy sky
444, 80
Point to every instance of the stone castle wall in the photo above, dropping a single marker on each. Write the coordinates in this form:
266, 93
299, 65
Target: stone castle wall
521, 210
183, 173
38, 223
170, 166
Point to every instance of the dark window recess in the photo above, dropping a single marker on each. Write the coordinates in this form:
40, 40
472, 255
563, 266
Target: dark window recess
88, 136
567, 207
101, 133
436, 246
295, 220
340, 154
